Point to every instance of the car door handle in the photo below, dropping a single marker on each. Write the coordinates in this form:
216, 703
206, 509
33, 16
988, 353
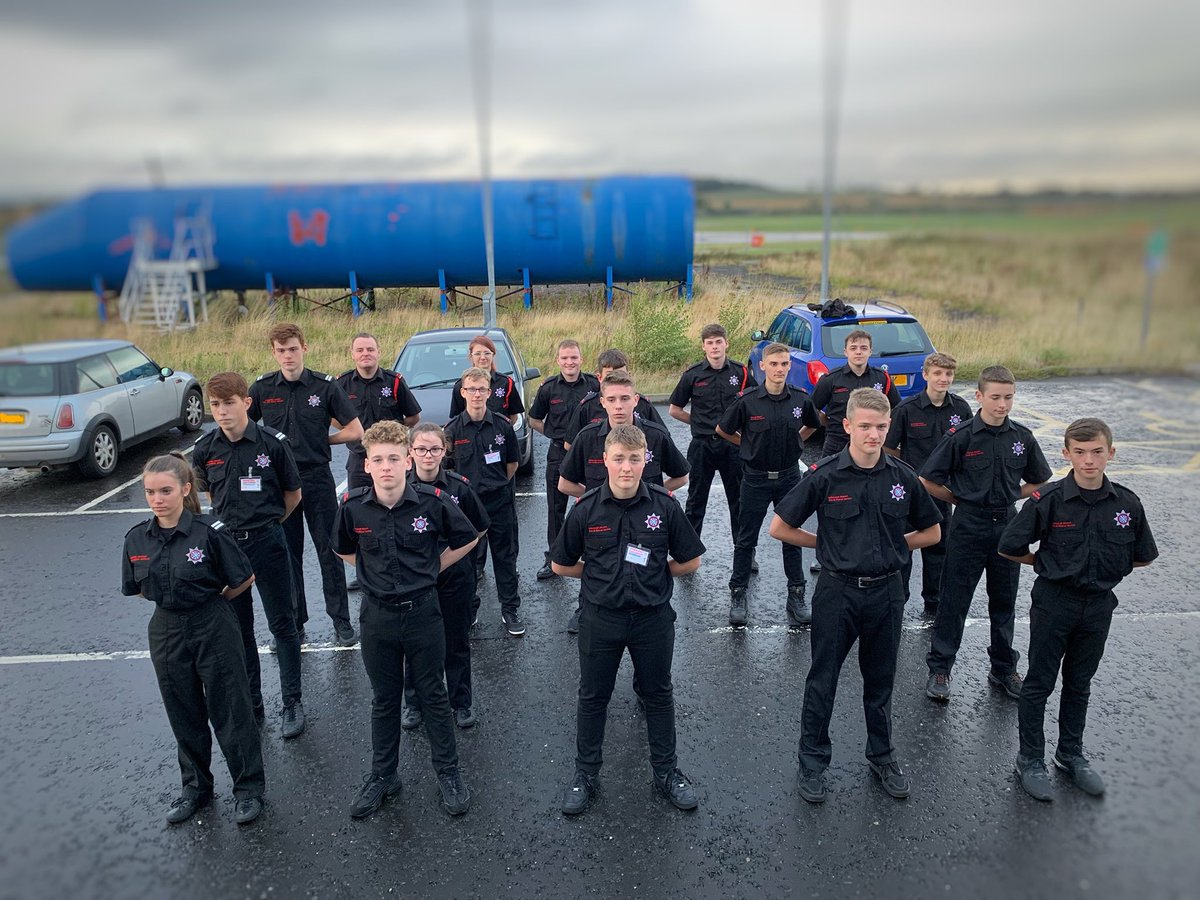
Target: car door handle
133, 391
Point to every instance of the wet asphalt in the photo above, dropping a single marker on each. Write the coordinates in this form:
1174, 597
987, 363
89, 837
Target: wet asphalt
88, 764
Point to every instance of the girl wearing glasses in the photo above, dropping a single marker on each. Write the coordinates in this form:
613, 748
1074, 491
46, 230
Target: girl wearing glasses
503, 396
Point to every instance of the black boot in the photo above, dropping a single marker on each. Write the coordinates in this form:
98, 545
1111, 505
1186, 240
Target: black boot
738, 613
798, 612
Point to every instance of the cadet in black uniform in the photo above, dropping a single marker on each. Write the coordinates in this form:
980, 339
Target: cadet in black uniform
918, 424
978, 467
871, 514
556, 402
188, 566
633, 539
378, 395
399, 536
1091, 533
483, 449
455, 585
303, 404
710, 387
503, 396
769, 424
253, 485
832, 391
591, 410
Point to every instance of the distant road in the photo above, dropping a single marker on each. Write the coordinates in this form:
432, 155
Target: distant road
784, 237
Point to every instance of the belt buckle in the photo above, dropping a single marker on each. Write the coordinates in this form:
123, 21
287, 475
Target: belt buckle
772, 476
863, 581
240, 535
405, 605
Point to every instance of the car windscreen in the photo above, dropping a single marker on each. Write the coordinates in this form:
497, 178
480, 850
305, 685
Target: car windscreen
889, 337
22, 379
440, 364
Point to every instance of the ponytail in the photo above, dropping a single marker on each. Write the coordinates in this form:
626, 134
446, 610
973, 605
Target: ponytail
176, 464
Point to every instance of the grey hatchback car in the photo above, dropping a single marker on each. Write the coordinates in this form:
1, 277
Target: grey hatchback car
84, 402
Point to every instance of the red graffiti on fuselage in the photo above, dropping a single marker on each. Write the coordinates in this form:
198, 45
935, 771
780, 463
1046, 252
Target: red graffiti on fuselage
313, 230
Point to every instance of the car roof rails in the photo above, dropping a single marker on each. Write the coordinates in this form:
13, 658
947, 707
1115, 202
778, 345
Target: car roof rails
887, 304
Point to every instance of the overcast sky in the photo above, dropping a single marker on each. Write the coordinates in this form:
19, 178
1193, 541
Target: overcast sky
938, 93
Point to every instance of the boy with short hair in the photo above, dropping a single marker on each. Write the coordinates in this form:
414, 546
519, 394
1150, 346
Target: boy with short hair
978, 468
626, 540
591, 410
399, 535
832, 391
918, 424
1091, 533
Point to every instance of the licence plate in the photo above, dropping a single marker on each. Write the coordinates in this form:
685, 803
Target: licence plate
7, 418
900, 380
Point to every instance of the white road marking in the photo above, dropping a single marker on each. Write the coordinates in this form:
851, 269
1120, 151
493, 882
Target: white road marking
132, 481
122, 655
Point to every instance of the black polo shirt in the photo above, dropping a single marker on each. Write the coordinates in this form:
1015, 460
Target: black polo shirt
458, 489
557, 402
503, 397
918, 425
710, 391
480, 451
590, 410
399, 549
862, 514
614, 537
247, 478
584, 462
184, 568
1082, 545
382, 397
302, 409
984, 465
832, 392
770, 425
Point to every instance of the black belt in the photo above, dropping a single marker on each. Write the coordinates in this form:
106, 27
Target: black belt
860, 581
770, 475
996, 512
247, 533
402, 605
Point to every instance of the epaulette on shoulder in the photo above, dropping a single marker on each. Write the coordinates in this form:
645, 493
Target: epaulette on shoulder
588, 493
322, 376
1045, 491
821, 463
588, 396
356, 492
903, 463
454, 476
644, 424
422, 488
141, 524
658, 489
278, 435
697, 365
346, 374
211, 521
264, 376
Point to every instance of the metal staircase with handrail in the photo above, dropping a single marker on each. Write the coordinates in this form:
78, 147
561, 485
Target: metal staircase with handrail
163, 293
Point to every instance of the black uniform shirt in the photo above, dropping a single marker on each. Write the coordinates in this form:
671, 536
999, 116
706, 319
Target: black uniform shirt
770, 426
399, 549
480, 451
557, 401
584, 462
302, 409
590, 410
862, 514
184, 568
247, 478
710, 391
832, 392
458, 489
503, 397
984, 465
918, 425
614, 537
383, 397
1084, 546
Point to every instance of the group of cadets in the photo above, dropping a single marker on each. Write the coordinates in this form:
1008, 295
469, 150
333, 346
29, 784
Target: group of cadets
424, 503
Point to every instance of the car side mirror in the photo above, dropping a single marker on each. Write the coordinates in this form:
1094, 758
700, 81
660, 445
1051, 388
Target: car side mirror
757, 335
165, 372
532, 372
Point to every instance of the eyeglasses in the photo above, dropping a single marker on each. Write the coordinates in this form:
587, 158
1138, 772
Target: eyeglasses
428, 451
477, 390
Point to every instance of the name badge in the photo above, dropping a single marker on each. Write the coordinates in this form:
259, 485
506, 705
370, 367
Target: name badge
493, 457
639, 556
251, 484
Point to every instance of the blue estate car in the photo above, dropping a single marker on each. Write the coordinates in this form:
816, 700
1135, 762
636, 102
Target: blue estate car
899, 343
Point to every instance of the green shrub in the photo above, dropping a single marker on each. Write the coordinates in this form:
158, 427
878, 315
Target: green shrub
736, 319
655, 334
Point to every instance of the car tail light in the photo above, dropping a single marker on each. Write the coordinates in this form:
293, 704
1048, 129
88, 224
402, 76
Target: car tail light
66, 417
816, 369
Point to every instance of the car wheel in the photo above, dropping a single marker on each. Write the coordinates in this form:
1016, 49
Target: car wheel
102, 454
193, 412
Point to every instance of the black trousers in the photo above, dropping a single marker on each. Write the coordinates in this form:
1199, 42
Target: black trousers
933, 560
834, 443
269, 559
706, 457
1069, 629
317, 508
455, 589
201, 673
556, 500
757, 492
391, 635
502, 538
842, 614
355, 476
648, 633
970, 553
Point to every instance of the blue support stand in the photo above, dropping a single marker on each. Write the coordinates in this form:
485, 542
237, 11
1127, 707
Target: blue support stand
271, 292
608, 289
527, 291
686, 289
355, 306
442, 291
101, 300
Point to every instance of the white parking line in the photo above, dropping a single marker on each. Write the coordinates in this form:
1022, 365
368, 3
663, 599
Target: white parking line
121, 655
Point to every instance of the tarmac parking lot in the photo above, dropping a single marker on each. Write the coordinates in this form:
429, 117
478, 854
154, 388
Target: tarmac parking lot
88, 760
